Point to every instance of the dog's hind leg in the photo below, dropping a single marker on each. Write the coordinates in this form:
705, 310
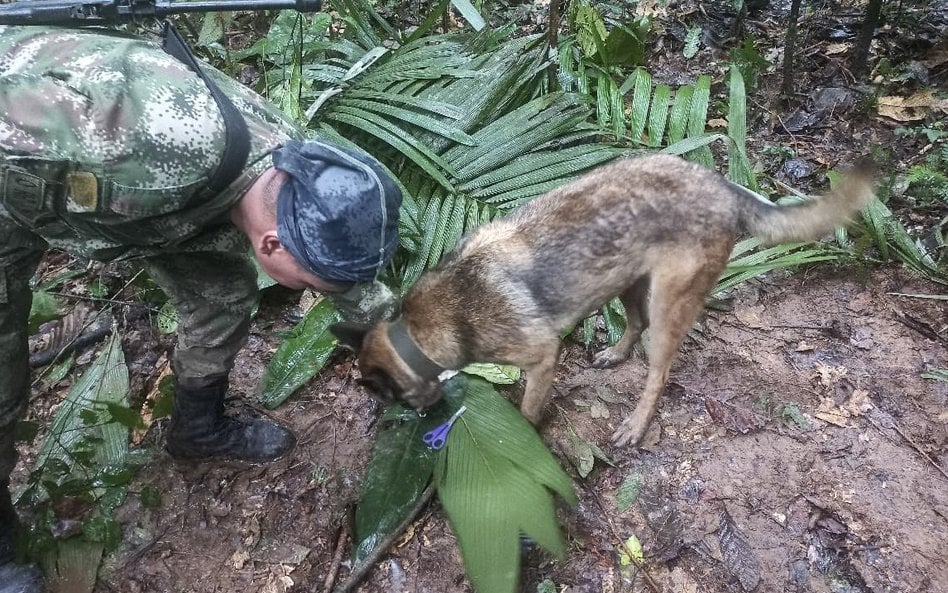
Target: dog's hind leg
635, 301
678, 294
540, 375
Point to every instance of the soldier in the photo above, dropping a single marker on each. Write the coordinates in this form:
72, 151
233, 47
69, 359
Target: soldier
114, 149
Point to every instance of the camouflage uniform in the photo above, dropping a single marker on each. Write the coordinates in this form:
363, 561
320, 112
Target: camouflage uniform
108, 143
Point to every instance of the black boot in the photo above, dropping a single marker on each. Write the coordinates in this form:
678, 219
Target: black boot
200, 430
14, 578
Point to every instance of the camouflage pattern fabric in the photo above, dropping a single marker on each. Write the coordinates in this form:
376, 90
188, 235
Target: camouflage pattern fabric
107, 144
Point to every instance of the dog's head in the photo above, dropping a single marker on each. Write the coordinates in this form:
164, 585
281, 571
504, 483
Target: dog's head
385, 374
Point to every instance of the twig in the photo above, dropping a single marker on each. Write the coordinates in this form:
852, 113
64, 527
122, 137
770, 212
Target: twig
919, 326
908, 439
615, 534
80, 297
362, 570
91, 320
336, 560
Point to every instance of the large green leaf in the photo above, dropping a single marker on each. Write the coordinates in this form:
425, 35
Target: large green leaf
397, 474
43, 308
494, 479
85, 415
301, 356
738, 166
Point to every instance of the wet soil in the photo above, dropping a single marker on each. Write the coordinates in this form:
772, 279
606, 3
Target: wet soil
795, 449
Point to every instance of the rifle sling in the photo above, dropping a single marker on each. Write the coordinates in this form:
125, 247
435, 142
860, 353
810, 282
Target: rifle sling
237, 138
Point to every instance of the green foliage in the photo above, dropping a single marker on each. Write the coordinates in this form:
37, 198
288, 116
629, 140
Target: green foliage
44, 308
546, 586
928, 182
628, 491
494, 478
398, 472
893, 242
499, 374
84, 458
749, 61
692, 42
936, 375
302, 354
167, 318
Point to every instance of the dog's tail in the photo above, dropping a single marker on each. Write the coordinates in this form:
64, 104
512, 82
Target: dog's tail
811, 219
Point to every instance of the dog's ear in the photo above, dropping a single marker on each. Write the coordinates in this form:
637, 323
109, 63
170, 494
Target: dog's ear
351, 335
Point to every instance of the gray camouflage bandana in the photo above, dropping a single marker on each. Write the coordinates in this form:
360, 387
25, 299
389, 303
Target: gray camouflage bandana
338, 211
365, 303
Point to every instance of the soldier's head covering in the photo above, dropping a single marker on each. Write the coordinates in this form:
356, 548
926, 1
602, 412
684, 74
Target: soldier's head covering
337, 213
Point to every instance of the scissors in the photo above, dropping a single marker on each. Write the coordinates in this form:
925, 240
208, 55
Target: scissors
436, 438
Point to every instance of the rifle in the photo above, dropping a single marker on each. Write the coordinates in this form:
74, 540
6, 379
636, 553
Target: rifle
64, 12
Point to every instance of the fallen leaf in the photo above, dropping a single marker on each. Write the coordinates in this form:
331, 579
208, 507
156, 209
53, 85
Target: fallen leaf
739, 559
631, 550
239, 559
829, 375
610, 395
828, 412
912, 108
859, 402
733, 418
598, 410
836, 48
628, 491
664, 519
163, 367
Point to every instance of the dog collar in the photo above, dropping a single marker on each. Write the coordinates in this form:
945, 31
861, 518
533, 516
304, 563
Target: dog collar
408, 349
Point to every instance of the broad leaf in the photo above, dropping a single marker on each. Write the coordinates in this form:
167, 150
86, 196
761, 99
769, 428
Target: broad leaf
400, 469
104, 384
494, 480
301, 356
44, 308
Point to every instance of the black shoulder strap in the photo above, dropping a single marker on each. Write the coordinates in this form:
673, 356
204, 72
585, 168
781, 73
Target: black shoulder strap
237, 138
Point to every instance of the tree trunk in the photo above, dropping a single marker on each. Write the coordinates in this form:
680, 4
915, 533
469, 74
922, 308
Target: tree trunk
553, 33
860, 59
789, 48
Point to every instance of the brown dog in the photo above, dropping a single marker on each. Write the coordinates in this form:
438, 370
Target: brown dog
657, 225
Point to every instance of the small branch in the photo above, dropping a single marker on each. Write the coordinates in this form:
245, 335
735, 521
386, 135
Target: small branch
336, 560
615, 534
363, 568
911, 442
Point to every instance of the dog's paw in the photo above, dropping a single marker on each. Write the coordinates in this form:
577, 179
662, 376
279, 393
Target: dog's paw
630, 432
608, 358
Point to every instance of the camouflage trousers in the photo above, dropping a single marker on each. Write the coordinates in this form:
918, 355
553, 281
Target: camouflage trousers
213, 292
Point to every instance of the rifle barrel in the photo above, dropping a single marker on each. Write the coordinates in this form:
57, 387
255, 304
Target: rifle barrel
166, 7
79, 12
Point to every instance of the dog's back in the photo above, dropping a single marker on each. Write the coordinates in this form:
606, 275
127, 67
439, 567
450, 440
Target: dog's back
578, 246
656, 232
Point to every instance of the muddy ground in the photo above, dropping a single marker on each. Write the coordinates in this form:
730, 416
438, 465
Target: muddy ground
841, 496
797, 447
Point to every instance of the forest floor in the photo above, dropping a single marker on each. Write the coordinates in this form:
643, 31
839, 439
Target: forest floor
797, 446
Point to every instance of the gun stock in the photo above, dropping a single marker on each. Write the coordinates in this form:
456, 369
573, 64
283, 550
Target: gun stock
63, 12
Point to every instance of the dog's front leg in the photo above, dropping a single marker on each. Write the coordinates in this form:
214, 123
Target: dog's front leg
539, 385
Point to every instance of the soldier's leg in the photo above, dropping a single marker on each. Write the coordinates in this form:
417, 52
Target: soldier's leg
20, 253
214, 295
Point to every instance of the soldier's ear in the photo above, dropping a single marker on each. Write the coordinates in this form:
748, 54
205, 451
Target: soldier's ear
350, 335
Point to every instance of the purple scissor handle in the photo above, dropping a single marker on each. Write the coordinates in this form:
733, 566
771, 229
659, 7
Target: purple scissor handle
437, 437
